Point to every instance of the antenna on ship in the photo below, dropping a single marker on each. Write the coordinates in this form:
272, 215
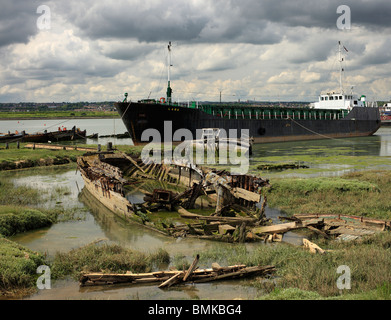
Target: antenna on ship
169, 90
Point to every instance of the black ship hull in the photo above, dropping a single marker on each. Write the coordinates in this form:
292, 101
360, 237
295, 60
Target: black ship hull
137, 117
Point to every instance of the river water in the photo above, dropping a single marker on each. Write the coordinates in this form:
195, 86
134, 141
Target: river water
342, 155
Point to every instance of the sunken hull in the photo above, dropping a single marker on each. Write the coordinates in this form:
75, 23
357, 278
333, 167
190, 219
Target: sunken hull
137, 117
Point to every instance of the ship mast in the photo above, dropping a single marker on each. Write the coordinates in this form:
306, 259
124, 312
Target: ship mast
169, 90
341, 68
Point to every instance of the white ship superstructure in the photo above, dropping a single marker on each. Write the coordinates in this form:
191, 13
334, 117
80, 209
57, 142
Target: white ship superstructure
339, 99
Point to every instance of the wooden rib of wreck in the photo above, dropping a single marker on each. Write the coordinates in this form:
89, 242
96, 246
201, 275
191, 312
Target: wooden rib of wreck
106, 174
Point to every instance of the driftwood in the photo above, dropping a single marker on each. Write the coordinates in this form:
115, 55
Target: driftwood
314, 248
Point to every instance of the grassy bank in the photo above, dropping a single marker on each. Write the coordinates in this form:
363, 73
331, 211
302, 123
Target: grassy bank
58, 115
106, 257
20, 211
304, 275
18, 268
364, 193
14, 158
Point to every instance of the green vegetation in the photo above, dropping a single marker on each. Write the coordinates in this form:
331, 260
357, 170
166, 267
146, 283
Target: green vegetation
13, 220
18, 268
106, 258
312, 276
360, 193
21, 208
14, 158
58, 114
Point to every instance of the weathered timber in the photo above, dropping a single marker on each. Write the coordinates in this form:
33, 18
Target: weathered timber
191, 268
369, 222
169, 282
245, 194
285, 227
169, 278
314, 248
186, 214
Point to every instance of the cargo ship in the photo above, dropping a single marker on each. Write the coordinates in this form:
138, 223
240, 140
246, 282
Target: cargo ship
335, 115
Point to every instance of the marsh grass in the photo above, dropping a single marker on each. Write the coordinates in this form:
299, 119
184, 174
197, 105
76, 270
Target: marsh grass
105, 258
369, 261
14, 158
359, 193
22, 208
21, 195
14, 220
18, 266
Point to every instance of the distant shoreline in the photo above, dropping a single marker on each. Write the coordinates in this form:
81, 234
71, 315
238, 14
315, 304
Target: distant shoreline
59, 118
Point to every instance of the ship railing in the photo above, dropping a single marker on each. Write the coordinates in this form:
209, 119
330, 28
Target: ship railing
277, 115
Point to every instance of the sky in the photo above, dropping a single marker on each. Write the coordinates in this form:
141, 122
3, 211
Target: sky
263, 50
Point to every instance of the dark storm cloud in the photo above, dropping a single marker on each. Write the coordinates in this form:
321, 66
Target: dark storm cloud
195, 22
249, 21
17, 21
317, 13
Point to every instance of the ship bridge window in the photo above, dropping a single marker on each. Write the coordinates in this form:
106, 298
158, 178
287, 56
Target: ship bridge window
322, 98
340, 97
326, 98
331, 98
355, 102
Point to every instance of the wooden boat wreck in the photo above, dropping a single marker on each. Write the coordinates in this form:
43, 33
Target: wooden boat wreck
226, 205
45, 136
55, 136
169, 278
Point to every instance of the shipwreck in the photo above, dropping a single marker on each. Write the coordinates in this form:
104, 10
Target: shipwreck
196, 202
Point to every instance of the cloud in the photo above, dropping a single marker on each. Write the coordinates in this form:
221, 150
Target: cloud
18, 21
264, 49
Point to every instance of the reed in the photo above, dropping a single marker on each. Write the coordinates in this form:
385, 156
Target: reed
360, 193
18, 268
104, 257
